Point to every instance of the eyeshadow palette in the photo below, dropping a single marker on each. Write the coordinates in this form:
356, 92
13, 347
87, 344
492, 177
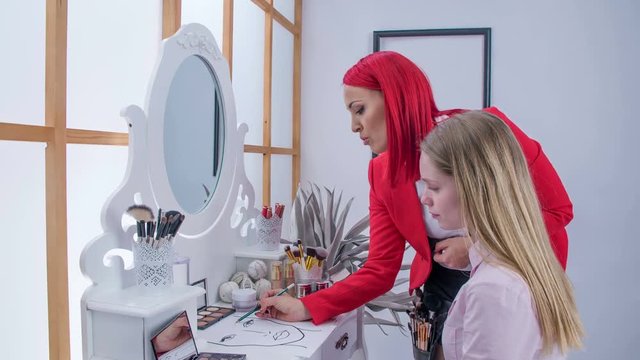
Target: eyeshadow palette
209, 315
219, 356
175, 340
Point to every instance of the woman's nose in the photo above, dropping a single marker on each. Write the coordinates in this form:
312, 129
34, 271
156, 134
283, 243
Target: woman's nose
356, 127
426, 199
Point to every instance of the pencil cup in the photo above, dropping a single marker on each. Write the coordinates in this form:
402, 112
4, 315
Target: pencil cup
306, 277
153, 264
421, 354
268, 232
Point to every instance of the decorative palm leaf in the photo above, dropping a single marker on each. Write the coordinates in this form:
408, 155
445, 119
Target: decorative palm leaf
319, 221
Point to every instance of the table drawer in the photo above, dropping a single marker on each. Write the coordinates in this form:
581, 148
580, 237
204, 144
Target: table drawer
342, 342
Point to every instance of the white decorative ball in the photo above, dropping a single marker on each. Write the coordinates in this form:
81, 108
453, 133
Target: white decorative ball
226, 289
262, 286
239, 277
257, 269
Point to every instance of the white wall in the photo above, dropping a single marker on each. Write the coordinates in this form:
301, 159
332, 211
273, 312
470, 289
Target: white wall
563, 71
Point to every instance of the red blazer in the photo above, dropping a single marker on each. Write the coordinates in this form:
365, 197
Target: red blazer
396, 215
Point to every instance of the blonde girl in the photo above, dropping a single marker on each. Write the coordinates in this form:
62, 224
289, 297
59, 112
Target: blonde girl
518, 303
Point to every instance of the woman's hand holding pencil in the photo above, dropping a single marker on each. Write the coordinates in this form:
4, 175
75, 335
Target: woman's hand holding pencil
283, 307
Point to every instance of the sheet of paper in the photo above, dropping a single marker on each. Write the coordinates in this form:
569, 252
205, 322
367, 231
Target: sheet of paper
264, 336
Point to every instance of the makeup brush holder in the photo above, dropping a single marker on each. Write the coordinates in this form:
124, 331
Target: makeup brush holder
421, 354
268, 232
153, 264
304, 276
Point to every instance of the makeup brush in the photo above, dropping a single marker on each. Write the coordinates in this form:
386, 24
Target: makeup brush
311, 255
138, 231
162, 224
176, 227
301, 251
142, 214
149, 229
167, 225
172, 218
162, 220
296, 255
158, 224
321, 255
287, 250
412, 319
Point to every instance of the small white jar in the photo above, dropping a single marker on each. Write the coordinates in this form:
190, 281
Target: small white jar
244, 299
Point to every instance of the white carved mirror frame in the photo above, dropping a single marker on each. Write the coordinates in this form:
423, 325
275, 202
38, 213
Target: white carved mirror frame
208, 237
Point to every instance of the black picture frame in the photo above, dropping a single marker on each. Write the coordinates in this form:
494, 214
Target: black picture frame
484, 32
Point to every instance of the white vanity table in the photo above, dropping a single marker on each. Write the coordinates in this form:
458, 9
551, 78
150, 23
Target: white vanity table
186, 153
333, 340
123, 322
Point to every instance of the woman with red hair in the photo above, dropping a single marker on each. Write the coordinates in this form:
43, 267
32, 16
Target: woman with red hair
392, 109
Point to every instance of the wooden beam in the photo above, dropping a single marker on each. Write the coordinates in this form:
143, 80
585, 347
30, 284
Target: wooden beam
266, 107
19, 132
56, 179
171, 17
227, 34
78, 136
281, 19
297, 57
262, 4
268, 150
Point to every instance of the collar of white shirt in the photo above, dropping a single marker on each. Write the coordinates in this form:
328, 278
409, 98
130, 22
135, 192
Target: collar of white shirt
477, 255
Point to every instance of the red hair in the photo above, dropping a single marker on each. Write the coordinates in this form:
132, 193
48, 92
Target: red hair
409, 107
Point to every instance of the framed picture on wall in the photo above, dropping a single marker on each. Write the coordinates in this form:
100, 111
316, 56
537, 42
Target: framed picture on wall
456, 61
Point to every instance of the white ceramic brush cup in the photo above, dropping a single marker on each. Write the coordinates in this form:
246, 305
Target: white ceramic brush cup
153, 265
268, 232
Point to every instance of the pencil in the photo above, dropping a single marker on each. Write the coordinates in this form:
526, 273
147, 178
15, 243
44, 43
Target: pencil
258, 306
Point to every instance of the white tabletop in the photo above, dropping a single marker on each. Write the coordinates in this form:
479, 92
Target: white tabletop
139, 302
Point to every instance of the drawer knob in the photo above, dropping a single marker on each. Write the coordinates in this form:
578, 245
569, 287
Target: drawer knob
342, 342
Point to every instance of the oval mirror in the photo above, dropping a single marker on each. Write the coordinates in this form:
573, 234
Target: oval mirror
193, 134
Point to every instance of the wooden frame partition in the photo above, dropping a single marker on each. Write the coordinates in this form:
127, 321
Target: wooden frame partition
266, 105
55, 105
171, 17
227, 33
271, 14
56, 135
297, 58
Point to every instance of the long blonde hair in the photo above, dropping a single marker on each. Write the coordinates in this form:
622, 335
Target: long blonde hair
500, 207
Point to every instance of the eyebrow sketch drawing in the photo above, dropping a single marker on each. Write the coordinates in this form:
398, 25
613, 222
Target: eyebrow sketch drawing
264, 333
228, 337
247, 323
281, 335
